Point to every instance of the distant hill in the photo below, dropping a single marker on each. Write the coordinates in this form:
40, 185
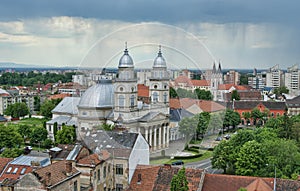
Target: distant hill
14, 65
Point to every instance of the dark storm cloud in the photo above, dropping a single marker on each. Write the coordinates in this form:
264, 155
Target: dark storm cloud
168, 11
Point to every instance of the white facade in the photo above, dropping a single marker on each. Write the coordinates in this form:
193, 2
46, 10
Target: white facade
274, 77
292, 78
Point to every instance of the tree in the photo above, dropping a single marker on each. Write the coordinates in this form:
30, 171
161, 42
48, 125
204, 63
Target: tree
231, 118
66, 136
280, 90
235, 95
17, 110
203, 94
256, 114
25, 131
46, 108
9, 137
251, 159
11, 153
202, 125
173, 93
107, 127
221, 156
242, 189
215, 122
38, 135
179, 181
37, 103
247, 116
187, 126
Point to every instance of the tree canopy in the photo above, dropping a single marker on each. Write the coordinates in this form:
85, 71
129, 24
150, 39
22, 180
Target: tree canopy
66, 136
17, 110
179, 181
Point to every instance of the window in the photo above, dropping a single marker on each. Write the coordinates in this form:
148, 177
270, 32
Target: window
9, 169
165, 97
119, 187
104, 172
98, 174
75, 186
121, 100
119, 169
15, 171
23, 171
155, 97
132, 101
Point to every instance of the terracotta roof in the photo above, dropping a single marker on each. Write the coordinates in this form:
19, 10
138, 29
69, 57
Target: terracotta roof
204, 105
4, 162
221, 182
210, 106
143, 91
13, 171
148, 175
91, 160
59, 96
175, 103
183, 79
225, 86
160, 177
58, 173
200, 82
271, 105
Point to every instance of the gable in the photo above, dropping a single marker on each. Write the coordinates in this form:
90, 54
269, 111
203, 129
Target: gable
29, 182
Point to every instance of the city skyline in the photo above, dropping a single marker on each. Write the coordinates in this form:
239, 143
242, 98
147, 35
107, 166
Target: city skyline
193, 34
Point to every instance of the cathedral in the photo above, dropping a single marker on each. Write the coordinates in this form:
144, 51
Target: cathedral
116, 102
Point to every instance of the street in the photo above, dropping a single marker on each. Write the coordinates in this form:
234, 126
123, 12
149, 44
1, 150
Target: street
204, 164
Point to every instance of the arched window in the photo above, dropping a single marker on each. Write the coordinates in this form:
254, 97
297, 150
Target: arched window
132, 101
155, 97
165, 97
121, 101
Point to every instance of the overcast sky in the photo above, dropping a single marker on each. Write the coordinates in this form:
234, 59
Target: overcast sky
193, 34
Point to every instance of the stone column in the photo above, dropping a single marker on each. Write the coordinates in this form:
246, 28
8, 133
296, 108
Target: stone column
154, 146
150, 140
164, 136
146, 134
167, 134
159, 137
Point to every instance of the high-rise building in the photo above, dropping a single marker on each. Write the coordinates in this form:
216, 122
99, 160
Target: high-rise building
292, 78
274, 77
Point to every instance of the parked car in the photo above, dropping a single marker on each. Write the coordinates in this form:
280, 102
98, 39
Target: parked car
227, 136
219, 139
179, 162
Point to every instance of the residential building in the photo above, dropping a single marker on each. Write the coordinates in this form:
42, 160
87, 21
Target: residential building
186, 83
68, 152
127, 150
64, 113
293, 106
232, 77
150, 178
274, 109
55, 177
292, 78
274, 77
71, 88
258, 80
7, 99
246, 93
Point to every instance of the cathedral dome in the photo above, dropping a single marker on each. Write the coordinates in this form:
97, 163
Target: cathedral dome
100, 95
126, 60
159, 61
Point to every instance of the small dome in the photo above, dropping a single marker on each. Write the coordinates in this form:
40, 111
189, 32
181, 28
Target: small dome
126, 60
99, 95
159, 61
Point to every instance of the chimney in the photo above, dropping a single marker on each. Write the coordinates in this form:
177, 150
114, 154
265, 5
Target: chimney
68, 168
48, 179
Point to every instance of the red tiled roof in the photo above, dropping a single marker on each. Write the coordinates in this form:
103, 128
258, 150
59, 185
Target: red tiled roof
143, 91
220, 182
175, 103
225, 86
183, 79
200, 82
237, 87
93, 159
13, 171
160, 177
4, 162
59, 96
58, 173
148, 175
210, 106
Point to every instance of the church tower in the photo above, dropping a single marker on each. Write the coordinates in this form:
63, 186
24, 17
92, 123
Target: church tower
216, 80
159, 81
125, 89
